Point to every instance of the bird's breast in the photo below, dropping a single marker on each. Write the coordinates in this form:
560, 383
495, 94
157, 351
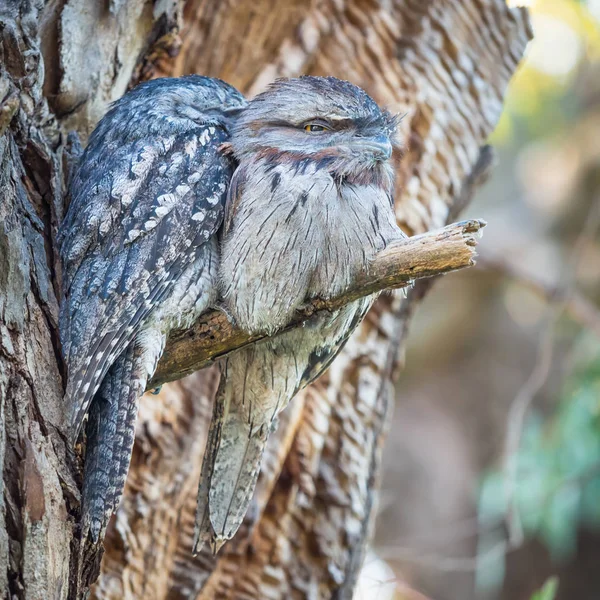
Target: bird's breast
296, 236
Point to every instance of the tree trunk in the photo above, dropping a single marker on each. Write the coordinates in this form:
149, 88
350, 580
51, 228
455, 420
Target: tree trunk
444, 63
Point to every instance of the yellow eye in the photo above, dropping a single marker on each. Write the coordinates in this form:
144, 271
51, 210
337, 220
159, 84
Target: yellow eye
313, 128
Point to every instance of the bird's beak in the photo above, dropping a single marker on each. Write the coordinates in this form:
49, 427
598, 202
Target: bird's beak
379, 146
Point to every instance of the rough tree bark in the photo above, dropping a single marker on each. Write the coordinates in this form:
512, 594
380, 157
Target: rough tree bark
445, 63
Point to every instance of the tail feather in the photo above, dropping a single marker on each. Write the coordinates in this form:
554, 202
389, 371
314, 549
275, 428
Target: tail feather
230, 467
126, 421
235, 473
203, 531
110, 432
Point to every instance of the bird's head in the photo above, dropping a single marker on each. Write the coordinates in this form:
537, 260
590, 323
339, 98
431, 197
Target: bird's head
322, 120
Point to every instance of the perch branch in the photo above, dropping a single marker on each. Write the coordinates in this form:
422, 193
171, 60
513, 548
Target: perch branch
433, 253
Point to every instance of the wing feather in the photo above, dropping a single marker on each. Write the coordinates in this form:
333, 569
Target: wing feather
128, 235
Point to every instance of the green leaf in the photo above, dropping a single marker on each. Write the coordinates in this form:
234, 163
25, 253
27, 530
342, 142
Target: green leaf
548, 591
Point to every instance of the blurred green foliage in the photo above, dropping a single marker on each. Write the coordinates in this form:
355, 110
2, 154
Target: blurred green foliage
557, 488
548, 591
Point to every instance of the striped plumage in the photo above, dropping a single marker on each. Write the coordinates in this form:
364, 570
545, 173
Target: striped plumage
307, 210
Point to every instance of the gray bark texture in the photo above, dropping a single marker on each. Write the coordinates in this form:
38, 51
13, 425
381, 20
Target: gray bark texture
445, 64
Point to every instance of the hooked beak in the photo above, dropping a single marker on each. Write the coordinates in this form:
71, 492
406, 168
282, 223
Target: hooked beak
379, 146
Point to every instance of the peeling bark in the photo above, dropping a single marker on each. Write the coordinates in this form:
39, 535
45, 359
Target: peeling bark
444, 63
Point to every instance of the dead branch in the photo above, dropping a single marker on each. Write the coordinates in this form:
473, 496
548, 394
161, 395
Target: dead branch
433, 253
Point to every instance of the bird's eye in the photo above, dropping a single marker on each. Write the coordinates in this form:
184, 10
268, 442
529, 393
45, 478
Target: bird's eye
315, 128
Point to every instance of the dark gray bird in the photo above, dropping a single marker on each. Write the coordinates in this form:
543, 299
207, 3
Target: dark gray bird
140, 256
309, 206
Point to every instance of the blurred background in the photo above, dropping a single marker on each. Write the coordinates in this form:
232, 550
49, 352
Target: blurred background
491, 485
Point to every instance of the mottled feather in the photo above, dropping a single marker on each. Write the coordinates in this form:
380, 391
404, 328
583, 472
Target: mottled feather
304, 216
139, 253
128, 237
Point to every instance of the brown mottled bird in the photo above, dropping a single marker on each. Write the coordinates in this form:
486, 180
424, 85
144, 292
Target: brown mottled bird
188, 194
